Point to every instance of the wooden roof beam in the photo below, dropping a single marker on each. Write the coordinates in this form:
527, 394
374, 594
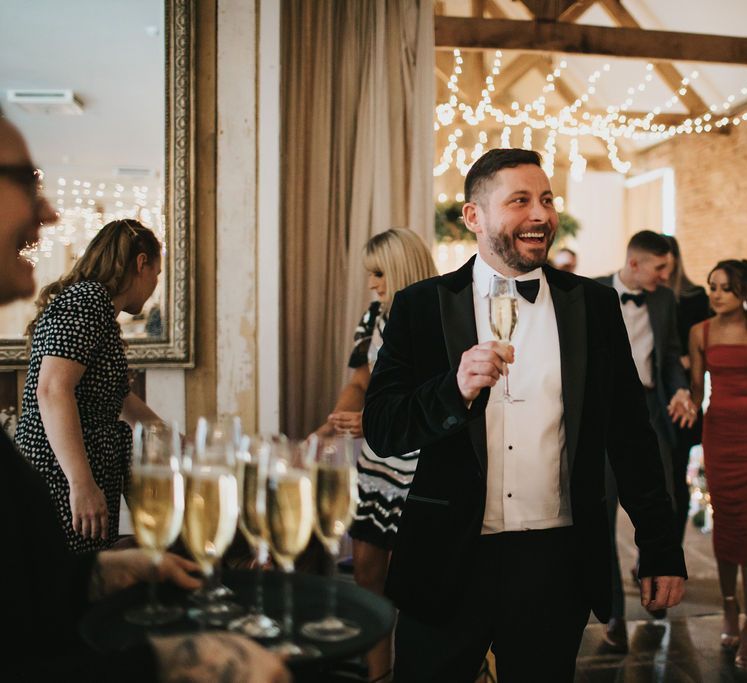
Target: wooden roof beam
574, 12
668, 72
553, 10
538, 36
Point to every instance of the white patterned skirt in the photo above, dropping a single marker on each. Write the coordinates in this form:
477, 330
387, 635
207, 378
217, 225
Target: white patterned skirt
383, 484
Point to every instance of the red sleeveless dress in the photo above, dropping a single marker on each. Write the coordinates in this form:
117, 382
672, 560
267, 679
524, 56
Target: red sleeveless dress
725, 448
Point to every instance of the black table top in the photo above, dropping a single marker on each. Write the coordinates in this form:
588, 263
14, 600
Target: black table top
105, 629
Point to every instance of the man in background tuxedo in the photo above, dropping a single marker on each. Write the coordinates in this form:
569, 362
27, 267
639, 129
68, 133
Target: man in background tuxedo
649, 311
503, 539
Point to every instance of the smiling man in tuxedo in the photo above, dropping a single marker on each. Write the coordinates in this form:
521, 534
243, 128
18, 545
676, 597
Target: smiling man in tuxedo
503, 539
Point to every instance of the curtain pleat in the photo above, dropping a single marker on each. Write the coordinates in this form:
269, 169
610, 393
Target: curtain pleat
357, 153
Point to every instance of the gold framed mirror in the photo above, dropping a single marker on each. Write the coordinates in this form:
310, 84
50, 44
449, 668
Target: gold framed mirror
105, 99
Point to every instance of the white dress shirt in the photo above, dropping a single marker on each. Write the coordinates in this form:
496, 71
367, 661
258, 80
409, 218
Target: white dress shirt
640, 334
528, 482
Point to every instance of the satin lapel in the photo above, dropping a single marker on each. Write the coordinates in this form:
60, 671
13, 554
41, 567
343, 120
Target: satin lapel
570, 315
460, 333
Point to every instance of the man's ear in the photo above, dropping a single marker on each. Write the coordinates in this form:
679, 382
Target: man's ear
471, 214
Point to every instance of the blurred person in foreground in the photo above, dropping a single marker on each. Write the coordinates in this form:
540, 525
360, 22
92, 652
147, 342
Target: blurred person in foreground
503, 540
719, 346
47, 589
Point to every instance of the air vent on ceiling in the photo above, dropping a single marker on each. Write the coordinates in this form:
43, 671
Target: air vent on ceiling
133, 171
46, 101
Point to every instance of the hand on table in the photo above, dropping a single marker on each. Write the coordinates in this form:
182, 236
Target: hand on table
482, 366
118, 569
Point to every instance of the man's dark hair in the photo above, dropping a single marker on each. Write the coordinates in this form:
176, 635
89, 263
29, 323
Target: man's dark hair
650, 242
493, 161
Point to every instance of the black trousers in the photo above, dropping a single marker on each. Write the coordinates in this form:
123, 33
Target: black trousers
522, 598
658, 422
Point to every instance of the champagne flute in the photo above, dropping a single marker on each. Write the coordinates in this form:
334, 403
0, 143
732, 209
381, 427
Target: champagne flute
504, 315
335, 480
156, 501
290, 517
252, 462
210, 516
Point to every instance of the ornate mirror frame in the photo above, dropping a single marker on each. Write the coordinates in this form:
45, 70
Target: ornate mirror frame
175, 348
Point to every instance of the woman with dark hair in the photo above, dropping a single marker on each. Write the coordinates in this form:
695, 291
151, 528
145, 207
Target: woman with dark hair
77, 388
719, 345
692, 308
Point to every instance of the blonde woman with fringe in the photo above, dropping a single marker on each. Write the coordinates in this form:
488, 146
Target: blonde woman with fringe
77, 391
394, 259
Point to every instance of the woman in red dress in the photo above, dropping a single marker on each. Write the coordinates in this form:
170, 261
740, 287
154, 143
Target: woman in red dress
719, 345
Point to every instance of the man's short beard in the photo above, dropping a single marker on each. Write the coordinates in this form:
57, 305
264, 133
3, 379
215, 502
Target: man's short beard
502, 244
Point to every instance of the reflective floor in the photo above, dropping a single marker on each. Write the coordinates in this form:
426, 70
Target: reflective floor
681, 650
684, 648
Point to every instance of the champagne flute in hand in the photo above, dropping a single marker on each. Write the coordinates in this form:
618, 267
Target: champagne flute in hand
252, 462
504, 315
290, 517
210, 516
156, 501
335, 480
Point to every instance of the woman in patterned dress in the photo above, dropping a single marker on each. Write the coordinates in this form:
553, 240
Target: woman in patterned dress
394, 259
77, 387
719, 345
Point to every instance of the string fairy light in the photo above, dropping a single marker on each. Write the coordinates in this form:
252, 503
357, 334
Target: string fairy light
81, 216
572, 121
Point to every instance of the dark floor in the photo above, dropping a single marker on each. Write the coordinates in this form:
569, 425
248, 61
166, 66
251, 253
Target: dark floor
684, 648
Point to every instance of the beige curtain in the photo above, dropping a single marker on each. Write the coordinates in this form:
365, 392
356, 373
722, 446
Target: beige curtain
357, 102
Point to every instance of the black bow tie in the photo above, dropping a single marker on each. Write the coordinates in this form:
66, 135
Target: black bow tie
637, 299
529, 289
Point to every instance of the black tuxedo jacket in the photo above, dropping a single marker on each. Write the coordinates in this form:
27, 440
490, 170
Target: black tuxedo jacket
413, 402
44, 591
668, 373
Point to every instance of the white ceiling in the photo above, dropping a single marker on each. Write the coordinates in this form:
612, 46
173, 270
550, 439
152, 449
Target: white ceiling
105, 52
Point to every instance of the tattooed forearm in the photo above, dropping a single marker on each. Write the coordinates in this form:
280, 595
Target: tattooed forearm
221, 657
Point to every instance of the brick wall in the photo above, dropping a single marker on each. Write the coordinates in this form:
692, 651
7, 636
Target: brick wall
711, 195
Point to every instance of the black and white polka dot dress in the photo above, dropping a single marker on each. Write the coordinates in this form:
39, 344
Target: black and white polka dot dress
79, 324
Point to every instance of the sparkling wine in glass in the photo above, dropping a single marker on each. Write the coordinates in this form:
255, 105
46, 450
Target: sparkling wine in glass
252, 461
335, 484
290, 518
156, 501
210, 517
504, 316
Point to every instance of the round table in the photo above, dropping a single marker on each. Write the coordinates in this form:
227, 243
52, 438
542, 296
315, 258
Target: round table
106, 631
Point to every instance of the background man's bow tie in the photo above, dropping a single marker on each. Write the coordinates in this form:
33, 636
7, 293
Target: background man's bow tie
637, 299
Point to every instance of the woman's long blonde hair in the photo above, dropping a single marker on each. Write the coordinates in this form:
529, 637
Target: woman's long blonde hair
403, 258
109, 259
